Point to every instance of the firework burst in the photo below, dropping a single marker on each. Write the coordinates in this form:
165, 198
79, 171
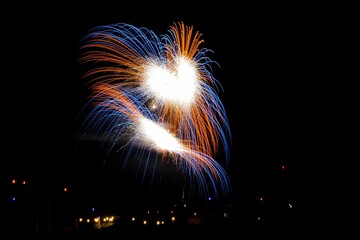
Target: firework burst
161, 94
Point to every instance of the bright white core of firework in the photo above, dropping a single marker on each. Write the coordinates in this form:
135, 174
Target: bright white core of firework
159, 136
177, 86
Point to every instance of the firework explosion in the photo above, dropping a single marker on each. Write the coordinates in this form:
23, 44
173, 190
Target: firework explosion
159, 93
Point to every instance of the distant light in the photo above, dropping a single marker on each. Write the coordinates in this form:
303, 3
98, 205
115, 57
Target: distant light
209, 198
14, 199
290, 205
259, 218
261, 199
13, 181
194, 213
80, 219
133, 219
282, 167
173, 219
87, 220
65, 189
144, 222
92, 209
24, 182
157, 222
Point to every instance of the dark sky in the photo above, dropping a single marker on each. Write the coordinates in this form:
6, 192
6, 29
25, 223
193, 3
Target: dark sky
265, 58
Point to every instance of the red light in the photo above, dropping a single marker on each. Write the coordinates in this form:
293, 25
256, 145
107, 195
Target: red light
261, 199
282, 167
13, 181
24, 182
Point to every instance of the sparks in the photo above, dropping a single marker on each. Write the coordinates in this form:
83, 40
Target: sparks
159, 136
178, 87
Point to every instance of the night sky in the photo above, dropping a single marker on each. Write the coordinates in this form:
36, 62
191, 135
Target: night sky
263, 53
